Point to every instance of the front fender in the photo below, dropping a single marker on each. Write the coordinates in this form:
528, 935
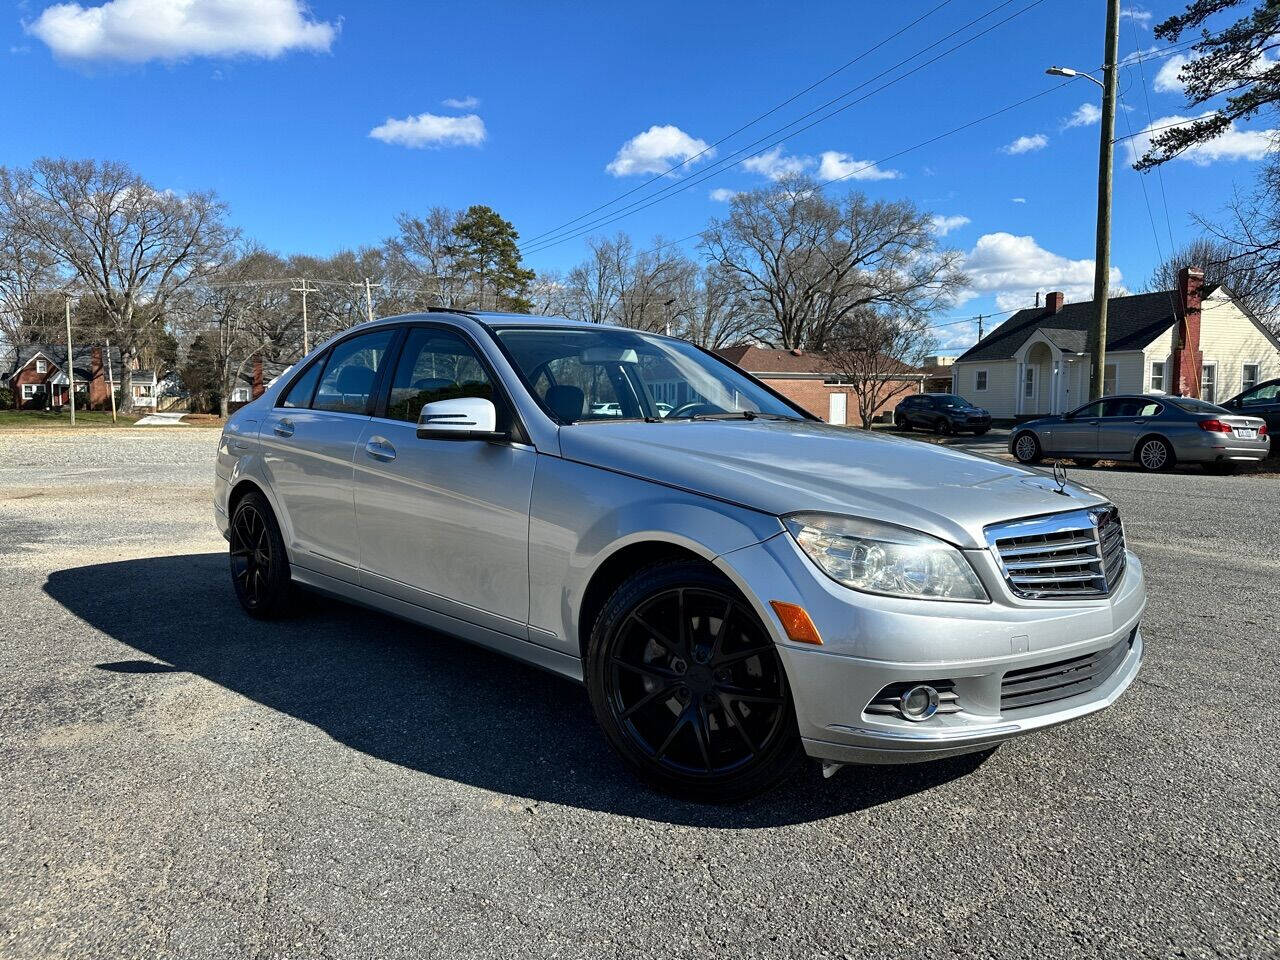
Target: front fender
580, 516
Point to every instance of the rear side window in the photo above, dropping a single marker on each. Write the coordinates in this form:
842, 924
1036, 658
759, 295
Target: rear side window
350, 374
304, 387
435, 365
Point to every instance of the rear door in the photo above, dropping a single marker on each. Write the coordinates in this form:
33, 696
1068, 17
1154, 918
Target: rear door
308, 444
445, 523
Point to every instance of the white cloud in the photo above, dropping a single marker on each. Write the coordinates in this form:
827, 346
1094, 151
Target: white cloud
1166, 80
1017, 199
1085, 115
429, 130
834, 165
1233, 144
1137, 15
944, 225
775, 164
460, 103
657, 150
140, 30
1013, 268
1036, 141
722, 194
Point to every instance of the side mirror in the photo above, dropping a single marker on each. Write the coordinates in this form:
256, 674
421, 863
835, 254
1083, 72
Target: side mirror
1068, 416
462, 418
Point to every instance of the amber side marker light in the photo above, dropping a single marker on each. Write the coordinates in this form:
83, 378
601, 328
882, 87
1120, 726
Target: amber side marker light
796, 622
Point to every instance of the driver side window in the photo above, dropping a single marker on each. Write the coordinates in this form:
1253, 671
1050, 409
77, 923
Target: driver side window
1089, 411
1262, 395
435, 365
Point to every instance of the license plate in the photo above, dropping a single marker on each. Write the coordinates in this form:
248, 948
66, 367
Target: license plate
1246, 433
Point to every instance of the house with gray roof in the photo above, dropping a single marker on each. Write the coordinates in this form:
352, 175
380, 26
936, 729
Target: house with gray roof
40, 377
1191, 340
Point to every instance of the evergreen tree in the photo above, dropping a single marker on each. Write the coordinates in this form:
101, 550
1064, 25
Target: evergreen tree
485, 252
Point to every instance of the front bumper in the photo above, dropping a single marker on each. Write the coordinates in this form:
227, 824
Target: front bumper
872, 642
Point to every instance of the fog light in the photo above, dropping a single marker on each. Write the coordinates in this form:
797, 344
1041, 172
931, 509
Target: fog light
919, 703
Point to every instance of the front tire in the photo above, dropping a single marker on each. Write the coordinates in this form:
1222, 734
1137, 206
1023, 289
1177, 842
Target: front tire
259, 563
980, 431
1026, 448
688, 686
1155, 455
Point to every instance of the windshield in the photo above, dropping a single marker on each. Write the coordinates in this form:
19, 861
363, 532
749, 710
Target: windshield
950, 400
581, 374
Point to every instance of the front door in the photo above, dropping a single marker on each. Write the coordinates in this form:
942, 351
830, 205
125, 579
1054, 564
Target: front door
308, 445
445, 523
1078, 432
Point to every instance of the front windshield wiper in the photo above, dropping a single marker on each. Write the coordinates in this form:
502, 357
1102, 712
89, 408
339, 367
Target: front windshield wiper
744, 415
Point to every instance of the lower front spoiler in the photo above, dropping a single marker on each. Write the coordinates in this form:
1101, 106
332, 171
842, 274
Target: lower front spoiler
879, 746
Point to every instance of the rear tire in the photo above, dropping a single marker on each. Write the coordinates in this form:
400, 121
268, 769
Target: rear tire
688, 687
1026, 448
1155, 455
942, 427
259, 563
902, 423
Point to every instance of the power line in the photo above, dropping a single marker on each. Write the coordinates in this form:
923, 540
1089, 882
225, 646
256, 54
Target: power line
1164, 197
725, 163
729, 136
893, 156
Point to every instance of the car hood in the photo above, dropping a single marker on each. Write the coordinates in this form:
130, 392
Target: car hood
780, 468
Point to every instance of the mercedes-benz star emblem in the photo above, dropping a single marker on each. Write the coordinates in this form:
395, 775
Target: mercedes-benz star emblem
1060, 477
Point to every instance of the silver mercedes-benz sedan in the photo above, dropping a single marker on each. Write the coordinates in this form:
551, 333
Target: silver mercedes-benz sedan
1156, 432
737, 584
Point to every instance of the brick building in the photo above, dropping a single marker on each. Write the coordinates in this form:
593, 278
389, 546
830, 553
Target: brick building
809, 380
40, 379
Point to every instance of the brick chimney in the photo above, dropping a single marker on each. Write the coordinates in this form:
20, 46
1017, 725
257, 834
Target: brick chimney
1053, 301
258, 387
1186, 347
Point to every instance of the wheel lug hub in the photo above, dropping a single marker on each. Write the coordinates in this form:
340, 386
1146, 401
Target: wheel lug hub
679, 666
701, 655
682, 694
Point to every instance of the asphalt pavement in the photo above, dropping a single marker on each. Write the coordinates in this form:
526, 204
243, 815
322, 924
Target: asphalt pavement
177, 780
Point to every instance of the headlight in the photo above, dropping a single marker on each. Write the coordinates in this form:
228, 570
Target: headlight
880, 558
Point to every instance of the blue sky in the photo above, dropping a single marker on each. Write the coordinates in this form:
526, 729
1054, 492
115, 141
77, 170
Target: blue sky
272, 104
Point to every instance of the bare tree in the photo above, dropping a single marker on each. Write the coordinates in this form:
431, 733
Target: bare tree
810, 262
592, 287
875, 352
423, 253
548, 294
1251, 280
711, 313
649, 287
27, 274
127, 244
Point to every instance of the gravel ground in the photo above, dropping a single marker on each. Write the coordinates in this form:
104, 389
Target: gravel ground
181, 781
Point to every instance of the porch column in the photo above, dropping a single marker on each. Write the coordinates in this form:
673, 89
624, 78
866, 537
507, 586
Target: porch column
1017, 388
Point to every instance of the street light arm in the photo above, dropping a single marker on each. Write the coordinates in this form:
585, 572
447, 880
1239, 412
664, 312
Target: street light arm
1072, 74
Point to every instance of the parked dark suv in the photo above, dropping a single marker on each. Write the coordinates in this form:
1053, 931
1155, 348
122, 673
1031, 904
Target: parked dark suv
941, 413
1260, 401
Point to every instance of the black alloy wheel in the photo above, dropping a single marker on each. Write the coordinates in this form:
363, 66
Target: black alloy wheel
902, 422
942, 427
259, 564
688, 685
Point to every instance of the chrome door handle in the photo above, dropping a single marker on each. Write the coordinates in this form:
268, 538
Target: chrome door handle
380, 449
284, 428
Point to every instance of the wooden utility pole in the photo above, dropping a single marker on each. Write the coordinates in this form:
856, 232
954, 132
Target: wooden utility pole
71, 364
306, 330
979, 328
1106, 148
368, 299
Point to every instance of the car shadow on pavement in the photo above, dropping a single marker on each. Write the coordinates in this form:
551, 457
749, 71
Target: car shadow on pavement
422, 700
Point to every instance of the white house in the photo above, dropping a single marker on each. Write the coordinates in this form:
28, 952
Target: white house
1191, 340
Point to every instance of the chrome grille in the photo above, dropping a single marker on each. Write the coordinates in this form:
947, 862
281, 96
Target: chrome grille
1032, 686
1064, 555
